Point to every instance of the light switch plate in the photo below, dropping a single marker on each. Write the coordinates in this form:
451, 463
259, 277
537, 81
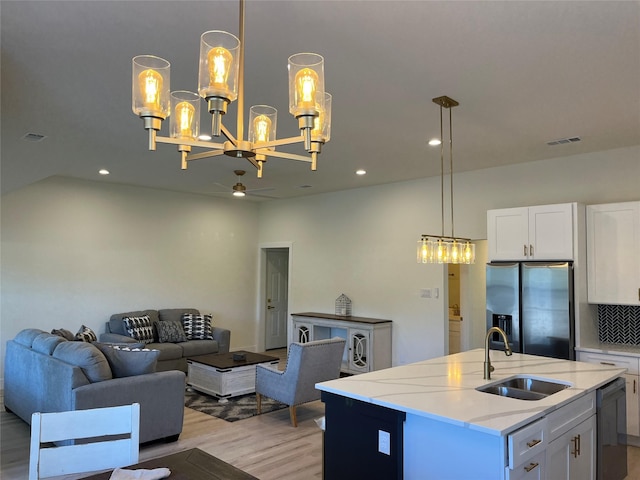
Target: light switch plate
384, 442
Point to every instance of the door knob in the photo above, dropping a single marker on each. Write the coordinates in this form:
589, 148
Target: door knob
269, 307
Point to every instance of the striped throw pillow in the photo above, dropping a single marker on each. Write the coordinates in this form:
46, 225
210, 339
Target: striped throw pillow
197, 327
139, 328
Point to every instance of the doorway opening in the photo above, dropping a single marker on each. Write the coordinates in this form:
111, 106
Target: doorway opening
274, 304
466, 302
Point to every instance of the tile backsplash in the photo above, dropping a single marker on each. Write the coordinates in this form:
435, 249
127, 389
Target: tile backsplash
619, 324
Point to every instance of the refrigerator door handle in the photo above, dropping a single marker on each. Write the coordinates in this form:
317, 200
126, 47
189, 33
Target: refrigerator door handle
545, 264
503, 265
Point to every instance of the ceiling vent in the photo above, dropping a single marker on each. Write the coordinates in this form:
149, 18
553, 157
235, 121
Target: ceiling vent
564, 141
33, 137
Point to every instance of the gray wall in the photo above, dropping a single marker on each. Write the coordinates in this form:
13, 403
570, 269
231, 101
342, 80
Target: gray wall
75, 252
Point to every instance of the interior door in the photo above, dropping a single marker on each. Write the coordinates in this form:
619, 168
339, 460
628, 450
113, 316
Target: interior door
276, 299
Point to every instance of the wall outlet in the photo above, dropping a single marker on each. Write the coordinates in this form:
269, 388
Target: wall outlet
425, 293
384, 442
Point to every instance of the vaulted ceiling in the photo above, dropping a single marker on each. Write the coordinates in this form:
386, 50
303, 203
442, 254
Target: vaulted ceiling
524, 72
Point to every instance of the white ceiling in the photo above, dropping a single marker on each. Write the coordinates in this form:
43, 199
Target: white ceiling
524, 72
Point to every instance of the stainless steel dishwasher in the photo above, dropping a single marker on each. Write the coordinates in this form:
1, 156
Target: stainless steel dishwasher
611, 413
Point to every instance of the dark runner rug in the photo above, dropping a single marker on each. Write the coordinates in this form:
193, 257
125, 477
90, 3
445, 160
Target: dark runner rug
237, 408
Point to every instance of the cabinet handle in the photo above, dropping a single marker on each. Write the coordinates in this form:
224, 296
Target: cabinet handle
531, 466
634, 386
608, 363
533, 443
531, 250
576, 446
525, 250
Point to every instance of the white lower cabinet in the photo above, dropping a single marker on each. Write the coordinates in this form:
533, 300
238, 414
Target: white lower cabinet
572, 456
571, 453
526, 450
560, 446
632, 377
533, 469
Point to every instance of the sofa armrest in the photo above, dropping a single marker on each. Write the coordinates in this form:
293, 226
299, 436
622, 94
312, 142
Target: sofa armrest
116, 338
223, 336
160, 395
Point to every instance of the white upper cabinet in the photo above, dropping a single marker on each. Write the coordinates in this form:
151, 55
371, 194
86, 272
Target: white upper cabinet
543, 232
613, 253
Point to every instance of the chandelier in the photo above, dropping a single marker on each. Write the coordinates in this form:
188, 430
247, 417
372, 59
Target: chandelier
441, 248
220, 82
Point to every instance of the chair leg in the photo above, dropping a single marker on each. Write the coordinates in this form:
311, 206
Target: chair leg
259, 402
292, 415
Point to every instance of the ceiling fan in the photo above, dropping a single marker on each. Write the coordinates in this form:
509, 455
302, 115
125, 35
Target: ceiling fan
240, 190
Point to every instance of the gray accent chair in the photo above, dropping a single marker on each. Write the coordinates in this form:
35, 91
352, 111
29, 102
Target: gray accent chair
307, 364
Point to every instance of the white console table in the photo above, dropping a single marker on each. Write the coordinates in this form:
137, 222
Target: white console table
368, 346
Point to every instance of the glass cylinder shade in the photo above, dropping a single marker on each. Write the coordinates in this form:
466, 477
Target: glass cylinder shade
185, 115
321, 131
219, 60
306, 81
151, 83
262, 124
469, 253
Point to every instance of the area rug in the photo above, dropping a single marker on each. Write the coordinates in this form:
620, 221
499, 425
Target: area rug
237, 408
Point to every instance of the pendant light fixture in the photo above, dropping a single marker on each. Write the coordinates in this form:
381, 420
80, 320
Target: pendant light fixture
220, 82
441, 248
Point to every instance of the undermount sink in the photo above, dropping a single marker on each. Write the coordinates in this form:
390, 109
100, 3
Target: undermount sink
524, 388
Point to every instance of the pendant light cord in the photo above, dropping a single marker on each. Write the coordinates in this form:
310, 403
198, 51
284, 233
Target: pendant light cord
451, 166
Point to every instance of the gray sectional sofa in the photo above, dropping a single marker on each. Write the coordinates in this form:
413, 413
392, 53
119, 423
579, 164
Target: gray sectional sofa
173, 356
47, 373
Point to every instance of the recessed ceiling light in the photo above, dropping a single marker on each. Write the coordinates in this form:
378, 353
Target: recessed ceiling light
103, 171
204, 138
361, 172
434, 142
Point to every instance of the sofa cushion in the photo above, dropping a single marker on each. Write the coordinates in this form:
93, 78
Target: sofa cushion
64, 333
197, 327
193, 348
116, 325
25, 337
128, 362
170, 331
86, 356
85, 334
139, 328
46, 343
168, 351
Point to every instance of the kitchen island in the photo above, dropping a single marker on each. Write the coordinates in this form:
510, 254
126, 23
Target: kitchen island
428, 420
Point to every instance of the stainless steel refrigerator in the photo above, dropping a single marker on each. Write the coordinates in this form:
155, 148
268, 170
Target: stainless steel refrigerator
533, 303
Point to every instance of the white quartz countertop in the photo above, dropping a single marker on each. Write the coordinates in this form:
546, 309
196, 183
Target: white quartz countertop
444, 388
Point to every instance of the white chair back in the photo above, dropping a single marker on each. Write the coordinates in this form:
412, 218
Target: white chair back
95, 424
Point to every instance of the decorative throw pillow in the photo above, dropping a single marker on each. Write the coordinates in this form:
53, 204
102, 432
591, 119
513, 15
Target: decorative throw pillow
139, 328
128, 362
197, 327
170, 331
85, 334
64, 333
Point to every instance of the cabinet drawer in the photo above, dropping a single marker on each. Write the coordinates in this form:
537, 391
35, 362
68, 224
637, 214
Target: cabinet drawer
527, 442
570, 415
532, 469
619, 361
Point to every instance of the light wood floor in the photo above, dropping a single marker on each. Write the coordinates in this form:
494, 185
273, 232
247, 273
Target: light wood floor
266, 446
